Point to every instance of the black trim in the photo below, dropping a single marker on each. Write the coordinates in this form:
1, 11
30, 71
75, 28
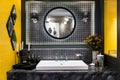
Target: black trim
99, 18
23, 22
118, 34
102, 22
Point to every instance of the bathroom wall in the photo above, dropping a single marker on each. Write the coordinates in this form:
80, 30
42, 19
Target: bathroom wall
35, 33
40, 40
7, 55
110, 27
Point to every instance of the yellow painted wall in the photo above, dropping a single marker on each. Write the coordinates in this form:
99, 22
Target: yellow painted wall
7, 55
110, 25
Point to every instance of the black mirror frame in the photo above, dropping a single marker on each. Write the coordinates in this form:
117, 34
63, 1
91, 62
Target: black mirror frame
66, 10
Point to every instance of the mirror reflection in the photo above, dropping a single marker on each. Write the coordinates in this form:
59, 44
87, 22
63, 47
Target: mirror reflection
59, 23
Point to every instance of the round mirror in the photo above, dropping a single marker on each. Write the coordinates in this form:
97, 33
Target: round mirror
59, 23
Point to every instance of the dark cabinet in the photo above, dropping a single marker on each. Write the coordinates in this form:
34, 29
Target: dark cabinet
17, 75
62, 75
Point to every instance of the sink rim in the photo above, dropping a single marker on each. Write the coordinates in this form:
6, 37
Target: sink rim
65, 66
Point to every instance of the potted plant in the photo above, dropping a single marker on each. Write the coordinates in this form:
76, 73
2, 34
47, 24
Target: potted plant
94, 42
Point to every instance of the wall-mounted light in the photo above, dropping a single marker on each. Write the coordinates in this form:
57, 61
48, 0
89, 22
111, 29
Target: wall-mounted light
66, 19
65, 22
34, 17
85, 16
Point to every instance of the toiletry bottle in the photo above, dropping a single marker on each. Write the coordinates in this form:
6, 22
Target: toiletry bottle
96, 63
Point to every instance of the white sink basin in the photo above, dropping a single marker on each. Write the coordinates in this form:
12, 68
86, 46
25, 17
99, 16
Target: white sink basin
61, 65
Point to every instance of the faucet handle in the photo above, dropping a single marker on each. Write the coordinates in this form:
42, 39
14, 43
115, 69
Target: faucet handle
56, 58
79, 55
66, 58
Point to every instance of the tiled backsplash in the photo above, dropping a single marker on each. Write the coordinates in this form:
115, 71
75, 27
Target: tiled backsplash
36, 34
61, 53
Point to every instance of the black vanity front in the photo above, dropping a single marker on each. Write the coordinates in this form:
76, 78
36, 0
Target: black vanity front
63, 75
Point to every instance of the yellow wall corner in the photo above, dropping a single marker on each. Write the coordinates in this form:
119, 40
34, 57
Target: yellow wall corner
7, 55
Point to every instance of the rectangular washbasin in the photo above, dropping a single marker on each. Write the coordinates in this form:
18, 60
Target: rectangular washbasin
62, 65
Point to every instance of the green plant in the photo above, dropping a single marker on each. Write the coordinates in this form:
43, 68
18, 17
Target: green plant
94, 42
